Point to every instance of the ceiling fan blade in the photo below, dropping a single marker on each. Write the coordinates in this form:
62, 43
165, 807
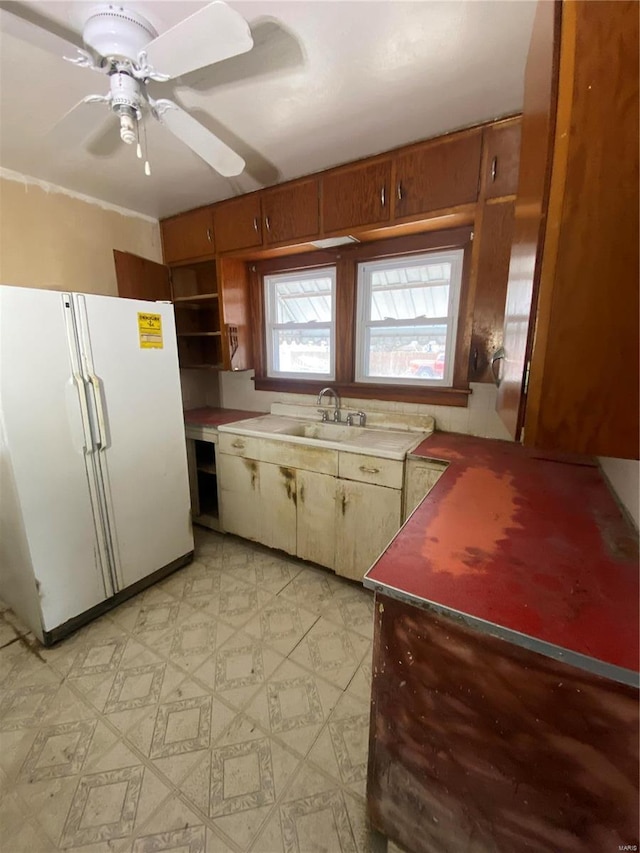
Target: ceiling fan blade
210, 35
79, 123
200, 140
27, 25
275, 51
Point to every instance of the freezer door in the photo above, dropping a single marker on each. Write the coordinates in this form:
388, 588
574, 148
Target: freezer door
139, 425
48, 443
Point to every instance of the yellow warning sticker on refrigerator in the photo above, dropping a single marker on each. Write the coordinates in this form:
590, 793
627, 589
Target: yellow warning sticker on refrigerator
150, 330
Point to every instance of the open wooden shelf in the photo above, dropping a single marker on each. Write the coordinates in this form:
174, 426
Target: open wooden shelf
202, 297
207, 468
202, 366
199, 334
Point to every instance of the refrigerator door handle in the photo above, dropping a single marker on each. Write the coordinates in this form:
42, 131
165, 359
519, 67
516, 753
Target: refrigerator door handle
89, 446
103, 436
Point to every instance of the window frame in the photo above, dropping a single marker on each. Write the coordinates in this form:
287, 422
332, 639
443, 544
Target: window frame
364, 323
345, 258
269, 285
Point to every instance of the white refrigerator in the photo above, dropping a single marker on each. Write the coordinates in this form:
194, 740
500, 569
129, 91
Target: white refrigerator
94, 492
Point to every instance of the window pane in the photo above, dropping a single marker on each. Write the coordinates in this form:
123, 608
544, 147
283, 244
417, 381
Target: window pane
302, 351
404, 293
407, 351
305, 301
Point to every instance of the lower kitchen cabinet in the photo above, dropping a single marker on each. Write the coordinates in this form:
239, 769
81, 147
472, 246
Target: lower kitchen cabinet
258, 501
277, 486
420, 476
240, 502
316, 512
203, 479
367, 518
340, 523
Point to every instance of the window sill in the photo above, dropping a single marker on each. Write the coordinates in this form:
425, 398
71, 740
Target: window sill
424, 395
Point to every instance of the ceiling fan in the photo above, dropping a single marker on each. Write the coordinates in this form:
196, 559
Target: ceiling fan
122, 44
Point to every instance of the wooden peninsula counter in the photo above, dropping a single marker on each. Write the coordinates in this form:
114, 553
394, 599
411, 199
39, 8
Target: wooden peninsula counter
505, 687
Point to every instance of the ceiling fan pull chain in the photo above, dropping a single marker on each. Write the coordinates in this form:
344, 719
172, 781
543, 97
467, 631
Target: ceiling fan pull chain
147, 167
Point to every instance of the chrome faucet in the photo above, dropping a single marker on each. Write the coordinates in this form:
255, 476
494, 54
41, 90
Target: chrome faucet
336, 399
352, 415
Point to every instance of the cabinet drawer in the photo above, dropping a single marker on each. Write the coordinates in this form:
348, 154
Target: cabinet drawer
239, 445
318, 459
371, 469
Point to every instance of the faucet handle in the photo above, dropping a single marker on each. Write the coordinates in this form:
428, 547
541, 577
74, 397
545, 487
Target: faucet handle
349, 419
363, 418
325, 415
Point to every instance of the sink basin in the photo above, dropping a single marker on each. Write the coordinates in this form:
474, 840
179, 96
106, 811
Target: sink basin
390, 444
325, 431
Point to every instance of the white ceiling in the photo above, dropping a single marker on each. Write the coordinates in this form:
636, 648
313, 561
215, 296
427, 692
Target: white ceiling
329, 81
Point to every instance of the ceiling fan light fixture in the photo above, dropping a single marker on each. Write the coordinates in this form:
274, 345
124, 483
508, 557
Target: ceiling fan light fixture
113, 31
128, 122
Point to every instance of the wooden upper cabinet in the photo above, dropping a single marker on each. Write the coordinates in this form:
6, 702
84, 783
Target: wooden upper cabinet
357, 196
188, 236
574, 260
237, 223
437, 175
233, 278
494, 233
291, 213
140, 278
502, 158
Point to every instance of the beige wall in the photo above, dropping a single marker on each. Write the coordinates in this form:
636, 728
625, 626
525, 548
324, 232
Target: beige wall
53, 239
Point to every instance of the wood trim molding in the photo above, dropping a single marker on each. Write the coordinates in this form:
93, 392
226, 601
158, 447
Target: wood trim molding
424, 395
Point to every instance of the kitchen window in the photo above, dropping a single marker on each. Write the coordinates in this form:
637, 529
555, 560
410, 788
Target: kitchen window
388, 319
407, 318
300, 324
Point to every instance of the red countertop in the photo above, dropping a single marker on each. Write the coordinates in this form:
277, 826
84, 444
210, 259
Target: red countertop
210, 416
532, 542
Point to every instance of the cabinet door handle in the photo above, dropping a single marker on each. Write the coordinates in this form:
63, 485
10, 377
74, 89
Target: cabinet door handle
399, 191
498, 355
368, 470
237, 443
209, 234
255, 224
267, 223
494, 169
383, 196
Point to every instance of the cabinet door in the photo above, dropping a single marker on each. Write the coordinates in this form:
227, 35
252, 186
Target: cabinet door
438, 175
240, 501
291, 213
278, 506
420, 477
502, 158
236, 223
140, 278
316, 517
187, 236
233, 279
538, 122
494, 250
356, 196
367, 518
